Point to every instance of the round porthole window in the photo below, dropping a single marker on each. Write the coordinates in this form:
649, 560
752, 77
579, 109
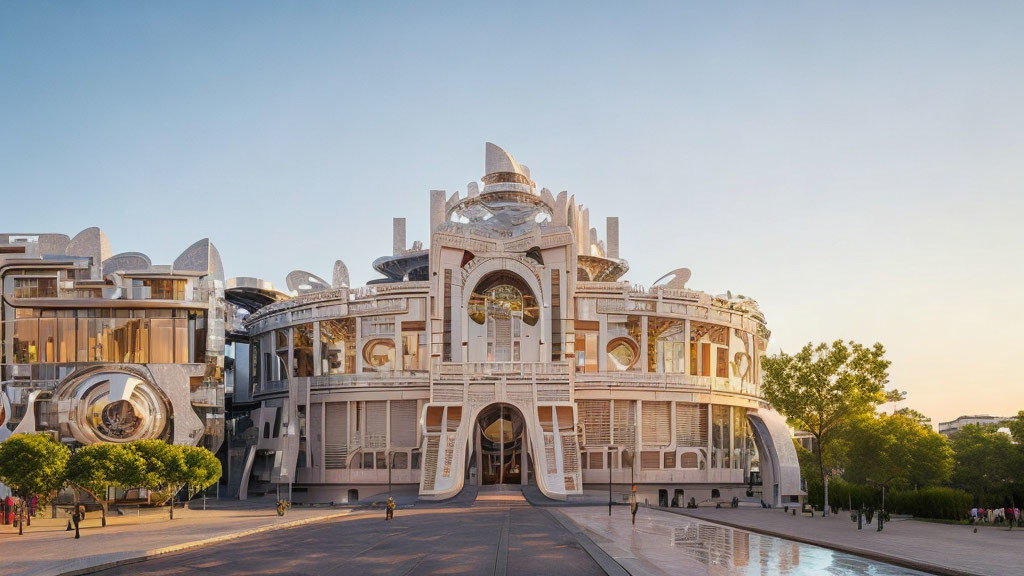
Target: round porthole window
622, 354
379, 354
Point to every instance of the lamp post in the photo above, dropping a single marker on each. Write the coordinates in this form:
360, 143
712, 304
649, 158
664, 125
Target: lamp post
609, 481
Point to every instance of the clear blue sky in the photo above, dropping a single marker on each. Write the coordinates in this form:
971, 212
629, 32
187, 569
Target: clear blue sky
856, 167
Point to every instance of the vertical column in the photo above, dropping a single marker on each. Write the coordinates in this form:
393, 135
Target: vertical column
359, 339
711, 433
437, 210
398, 236
643, 344
556, 315
446, 354
686, 348
612, 237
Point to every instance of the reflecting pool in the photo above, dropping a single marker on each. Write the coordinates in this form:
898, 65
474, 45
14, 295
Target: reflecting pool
666, 543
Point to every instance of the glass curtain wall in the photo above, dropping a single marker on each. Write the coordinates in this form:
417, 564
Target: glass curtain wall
721, 435
101, 335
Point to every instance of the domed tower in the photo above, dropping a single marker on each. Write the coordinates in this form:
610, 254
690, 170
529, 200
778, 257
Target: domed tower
503, 267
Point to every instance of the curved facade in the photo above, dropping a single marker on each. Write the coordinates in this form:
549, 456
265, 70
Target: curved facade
511, 351
110, 348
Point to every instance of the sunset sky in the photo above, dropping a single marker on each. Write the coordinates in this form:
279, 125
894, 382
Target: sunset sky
857, 168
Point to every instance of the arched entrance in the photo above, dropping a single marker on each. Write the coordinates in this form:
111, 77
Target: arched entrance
499, 442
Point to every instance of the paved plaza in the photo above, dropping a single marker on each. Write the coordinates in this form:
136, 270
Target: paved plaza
46, 549
477, 540
502, 533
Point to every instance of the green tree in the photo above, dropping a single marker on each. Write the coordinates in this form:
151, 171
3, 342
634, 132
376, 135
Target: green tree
129, 468
33, 465
896, 451
1016, 426
202, 469
985, 461
822, 388
91, 469
165, 465
169, 468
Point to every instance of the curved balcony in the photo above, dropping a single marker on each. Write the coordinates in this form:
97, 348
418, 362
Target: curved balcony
659, 381
388, 379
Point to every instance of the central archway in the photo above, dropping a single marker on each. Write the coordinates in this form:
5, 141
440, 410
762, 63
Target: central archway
503, 319
499, 437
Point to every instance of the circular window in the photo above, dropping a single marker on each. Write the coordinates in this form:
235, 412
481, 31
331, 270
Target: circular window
379, 354
115, 414
622, 354
119, 420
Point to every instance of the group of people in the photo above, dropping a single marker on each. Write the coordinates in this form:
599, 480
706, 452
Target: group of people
9, 509
996, 516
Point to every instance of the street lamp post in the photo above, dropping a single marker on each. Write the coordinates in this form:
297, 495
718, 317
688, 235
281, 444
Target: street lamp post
609, 480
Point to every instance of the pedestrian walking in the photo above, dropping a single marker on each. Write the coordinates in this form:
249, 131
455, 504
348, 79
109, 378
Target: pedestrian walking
390, 513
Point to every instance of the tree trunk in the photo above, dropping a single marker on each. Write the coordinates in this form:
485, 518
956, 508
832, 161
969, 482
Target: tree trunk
824, 486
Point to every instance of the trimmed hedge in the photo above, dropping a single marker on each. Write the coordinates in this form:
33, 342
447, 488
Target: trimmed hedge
937, 503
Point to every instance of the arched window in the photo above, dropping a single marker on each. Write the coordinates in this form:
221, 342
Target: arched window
505, 306
622, 354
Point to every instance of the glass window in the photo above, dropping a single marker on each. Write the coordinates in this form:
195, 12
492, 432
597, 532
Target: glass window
722, 362
379, 355
66, 344
181, 341
254, 363
414, 346
162, 288
26, 341
400, 460
622, 354
161, 335
338, 346
302, 350
281, 341
48, 340
721, 435
35, 287
740, 433
586, 350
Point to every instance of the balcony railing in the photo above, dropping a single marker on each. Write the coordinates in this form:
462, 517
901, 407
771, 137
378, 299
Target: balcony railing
457, 370
664, 382
390, 378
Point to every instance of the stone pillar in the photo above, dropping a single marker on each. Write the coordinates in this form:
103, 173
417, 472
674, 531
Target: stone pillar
437, 209
398, 236
612, 237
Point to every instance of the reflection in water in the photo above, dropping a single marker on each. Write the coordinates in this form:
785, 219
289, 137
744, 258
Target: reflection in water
724, 550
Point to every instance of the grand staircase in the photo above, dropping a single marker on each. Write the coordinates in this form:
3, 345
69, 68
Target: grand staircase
500, 496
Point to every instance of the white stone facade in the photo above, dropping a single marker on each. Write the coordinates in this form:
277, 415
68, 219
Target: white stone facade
512, 351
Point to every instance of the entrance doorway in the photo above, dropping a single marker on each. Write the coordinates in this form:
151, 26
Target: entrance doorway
499, 445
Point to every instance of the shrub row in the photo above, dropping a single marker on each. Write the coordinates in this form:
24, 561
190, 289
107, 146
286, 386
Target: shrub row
936, 502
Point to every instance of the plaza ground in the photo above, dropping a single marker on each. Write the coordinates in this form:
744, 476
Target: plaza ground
482, 533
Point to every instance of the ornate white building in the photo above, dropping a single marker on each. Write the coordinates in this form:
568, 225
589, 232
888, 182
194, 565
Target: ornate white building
510, 351
110, 348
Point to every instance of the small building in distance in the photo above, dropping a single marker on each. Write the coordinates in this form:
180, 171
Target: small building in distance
947, 429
